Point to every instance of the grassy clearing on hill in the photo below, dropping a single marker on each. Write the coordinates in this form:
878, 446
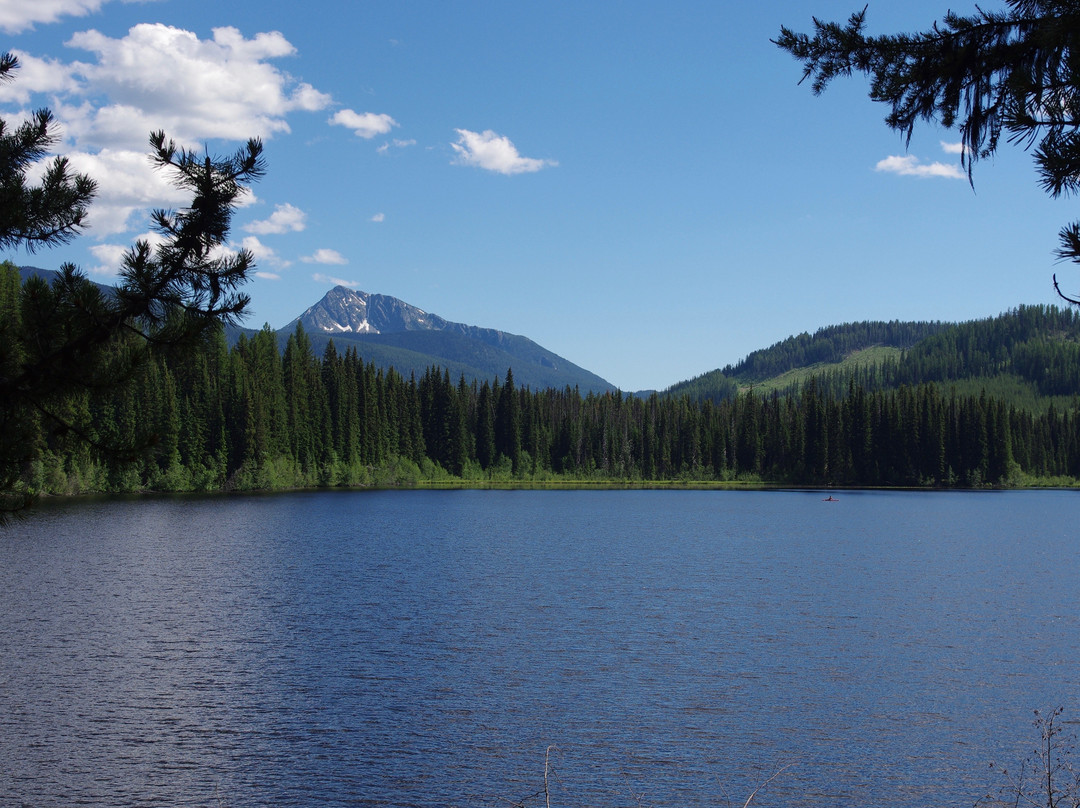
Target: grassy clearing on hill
872, 356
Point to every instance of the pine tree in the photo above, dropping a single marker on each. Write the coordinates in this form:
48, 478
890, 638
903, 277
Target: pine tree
71, 338
1012, 73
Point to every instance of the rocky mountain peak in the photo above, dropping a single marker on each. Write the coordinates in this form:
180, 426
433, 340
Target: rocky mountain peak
349, 311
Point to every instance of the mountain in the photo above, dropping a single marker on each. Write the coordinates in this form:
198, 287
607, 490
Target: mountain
345, 311
1028, 357
392, 333
36, 272
388, 331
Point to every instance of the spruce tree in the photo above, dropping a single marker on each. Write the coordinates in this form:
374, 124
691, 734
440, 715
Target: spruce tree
485, 428
508, 422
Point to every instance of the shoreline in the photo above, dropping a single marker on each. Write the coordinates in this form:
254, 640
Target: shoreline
49, 500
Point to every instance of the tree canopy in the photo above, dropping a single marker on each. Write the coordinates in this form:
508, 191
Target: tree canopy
60, 339
52, 212
1014, 72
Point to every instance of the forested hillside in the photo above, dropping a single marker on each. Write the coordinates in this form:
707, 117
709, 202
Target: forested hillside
1040, 344
1022, 355
830, 344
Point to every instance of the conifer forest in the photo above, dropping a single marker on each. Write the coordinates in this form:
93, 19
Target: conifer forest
253, 416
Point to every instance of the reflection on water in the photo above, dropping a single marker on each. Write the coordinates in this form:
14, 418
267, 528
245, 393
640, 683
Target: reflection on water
425, 648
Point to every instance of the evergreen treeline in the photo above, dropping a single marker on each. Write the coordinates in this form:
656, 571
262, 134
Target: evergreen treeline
254, 416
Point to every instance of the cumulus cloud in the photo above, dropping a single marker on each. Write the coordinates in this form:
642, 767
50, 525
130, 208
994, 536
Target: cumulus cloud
285, 219
494, 152
155, 77
364, 124
127, 184
162, 77
910, 166
261, 253
325, 256
318, 276
109, 256
38, 76
16, 16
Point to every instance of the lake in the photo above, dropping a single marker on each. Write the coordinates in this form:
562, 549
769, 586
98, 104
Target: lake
437, 648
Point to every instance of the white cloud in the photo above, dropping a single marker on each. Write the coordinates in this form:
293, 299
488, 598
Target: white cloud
379, 217
318, 276
155, 77
364, 124
325, 256
36, 75
127, 183
909, 166
110, 256
396, 143
285, 219
494, 152
261, 253
127, 186
161, 77
21, 15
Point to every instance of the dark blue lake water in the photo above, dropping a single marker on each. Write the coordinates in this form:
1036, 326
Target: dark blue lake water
427, 648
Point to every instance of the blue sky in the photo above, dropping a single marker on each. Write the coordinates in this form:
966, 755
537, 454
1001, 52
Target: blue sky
641, 188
